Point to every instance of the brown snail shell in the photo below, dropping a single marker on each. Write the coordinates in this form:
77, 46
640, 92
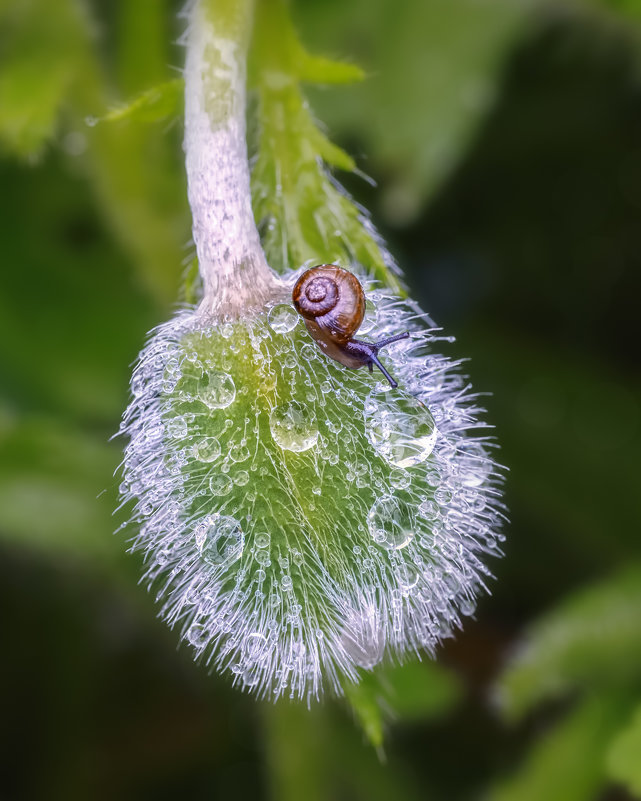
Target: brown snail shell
331, 301
331, 298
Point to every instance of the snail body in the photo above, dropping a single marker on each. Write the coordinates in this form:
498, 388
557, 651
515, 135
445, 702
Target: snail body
331, 301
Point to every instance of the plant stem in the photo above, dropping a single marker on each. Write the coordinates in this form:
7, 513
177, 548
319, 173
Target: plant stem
235, 274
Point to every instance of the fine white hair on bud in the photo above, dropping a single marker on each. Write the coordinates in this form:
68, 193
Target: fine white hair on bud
300, 520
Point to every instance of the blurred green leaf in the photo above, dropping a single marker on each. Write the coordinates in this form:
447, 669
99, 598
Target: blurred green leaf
631, 8
321, 70
137, 169
569, 429
437, 69
567, 763
317, 754
143, 31
421, 690
366, 704
49, 66
591, 639
41, 46
50, 480
363, 774
138, 176
158, 103
71, 317
624, 755
417, 690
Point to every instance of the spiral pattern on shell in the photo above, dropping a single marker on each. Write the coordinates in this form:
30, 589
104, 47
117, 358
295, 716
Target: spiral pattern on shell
319, 296
333, 298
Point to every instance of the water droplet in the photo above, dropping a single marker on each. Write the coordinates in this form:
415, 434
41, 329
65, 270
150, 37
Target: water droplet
220, 484
262, 540
254, 646
286, 583
391, 523
433, 477
467, 606
206, 449
239, 453
335, 426
429, 509
198, 635
399, 479
442, 496
283, 318
309, 352
217, 390
407, 575
293, 426
241, 478
193, 595
219, 539
399, 427
177, 428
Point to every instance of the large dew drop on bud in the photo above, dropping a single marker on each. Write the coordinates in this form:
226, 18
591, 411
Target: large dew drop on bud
301, 521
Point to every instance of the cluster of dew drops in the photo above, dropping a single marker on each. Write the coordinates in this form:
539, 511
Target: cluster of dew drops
424, 419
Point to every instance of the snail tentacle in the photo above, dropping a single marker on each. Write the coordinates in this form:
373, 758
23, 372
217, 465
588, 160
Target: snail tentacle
332, 303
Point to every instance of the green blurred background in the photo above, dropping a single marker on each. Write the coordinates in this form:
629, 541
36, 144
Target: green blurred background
505, 139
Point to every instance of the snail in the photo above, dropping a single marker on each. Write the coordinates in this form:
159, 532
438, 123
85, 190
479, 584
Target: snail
332, 303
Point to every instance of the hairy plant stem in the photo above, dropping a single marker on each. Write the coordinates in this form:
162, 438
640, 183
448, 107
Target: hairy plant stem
236, 276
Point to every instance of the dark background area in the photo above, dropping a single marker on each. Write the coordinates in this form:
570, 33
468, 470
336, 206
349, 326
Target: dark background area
528, 252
